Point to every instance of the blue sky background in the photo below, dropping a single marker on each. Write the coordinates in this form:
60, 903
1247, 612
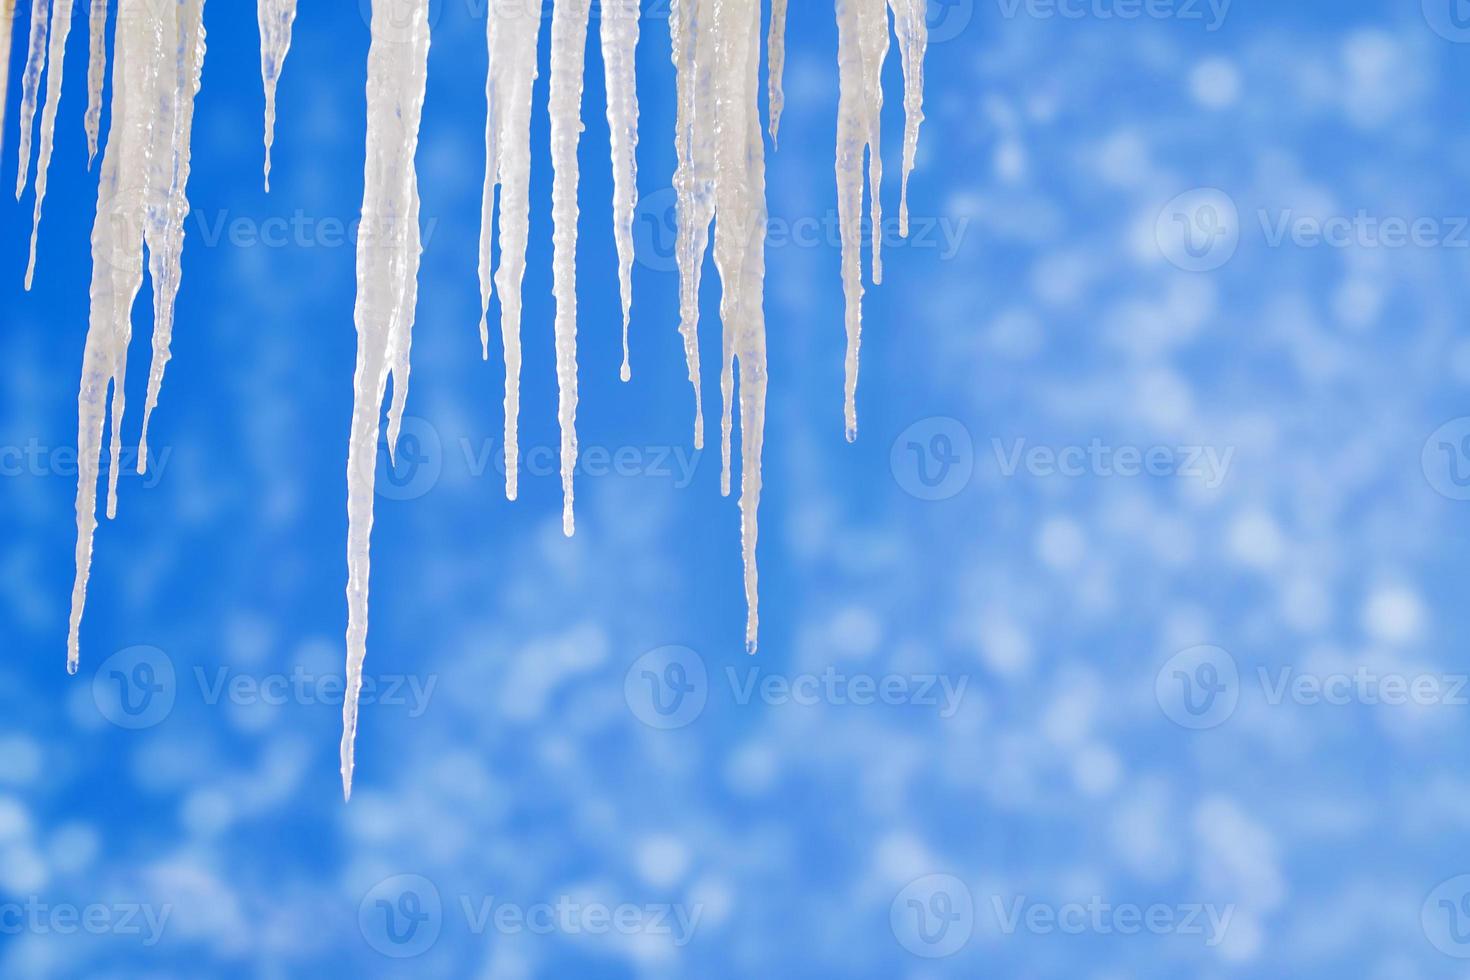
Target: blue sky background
1146, 463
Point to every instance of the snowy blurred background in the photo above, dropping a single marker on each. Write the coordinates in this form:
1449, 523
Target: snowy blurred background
1127, 641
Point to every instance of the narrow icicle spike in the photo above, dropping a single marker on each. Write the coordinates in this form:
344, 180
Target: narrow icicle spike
61, 17
691, 31
30, 90
388, 249
7, 21
873, 15
912, 28
96, 72
168, 203
619, 29
568, 53
513, 32
117, 263
776, 65
275, 18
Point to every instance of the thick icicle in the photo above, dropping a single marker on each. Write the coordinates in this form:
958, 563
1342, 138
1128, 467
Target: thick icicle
7, 21
275, 18
61, 18
776, 58
117, 265
568, 53
912, 28
96, 71
740, 229
619, 29
30, 90
512, 34
693, 52
168, 203
387, 273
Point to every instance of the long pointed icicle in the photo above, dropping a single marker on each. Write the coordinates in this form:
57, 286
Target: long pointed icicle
693, 43
168, 204
776, 65
387, 273
30, 90
568, 54
96, 72
512, 34
117, 267
740, 229
911, 25
275, 18
619, 32
7, 21
61, 18
873, 17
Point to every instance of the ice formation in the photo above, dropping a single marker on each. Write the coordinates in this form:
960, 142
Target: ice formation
275, 18
7, 21
61, 21
719, 181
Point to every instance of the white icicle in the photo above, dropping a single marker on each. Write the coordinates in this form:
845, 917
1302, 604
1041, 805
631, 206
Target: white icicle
7, 21
693, 52
275, 18
168, 204
740, 228
619, 31
776, 58
387, 273
30, 90
912, 28
117, 267
568, 52
512, 34
96, 72
61, 17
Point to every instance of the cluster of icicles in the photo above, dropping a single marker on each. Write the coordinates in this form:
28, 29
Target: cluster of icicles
159, 52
